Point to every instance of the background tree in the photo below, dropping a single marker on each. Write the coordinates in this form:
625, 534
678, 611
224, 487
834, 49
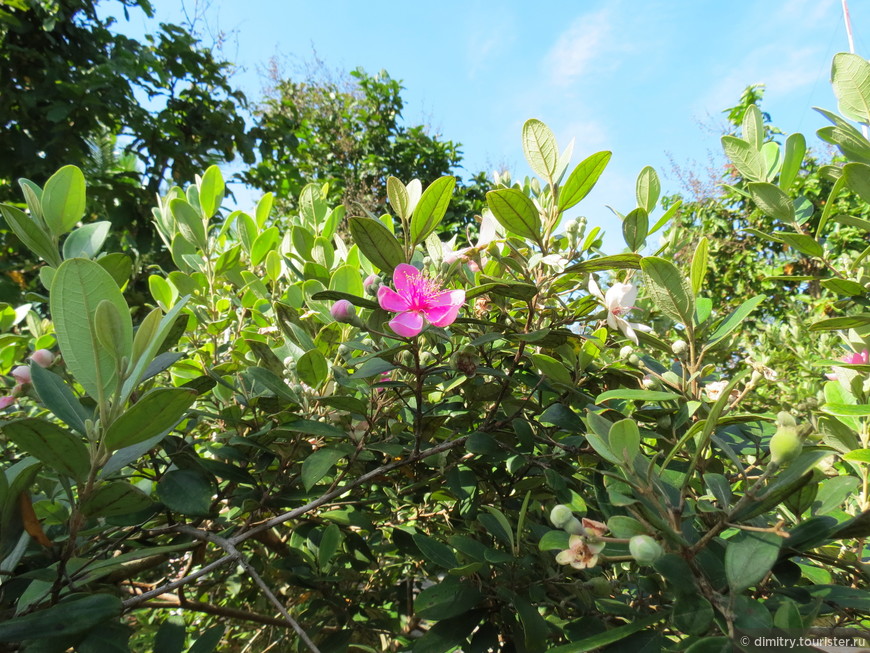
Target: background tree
347, 131
70, 81
744, 262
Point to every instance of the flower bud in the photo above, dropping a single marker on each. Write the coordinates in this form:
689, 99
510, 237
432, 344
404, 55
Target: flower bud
343, 311
680, 348
561, 515
634, 359
785, 445
22, 374
626, 352
600, 586
649, 383
465, 360
6, 401
571, 227
644, 549
344, 351
371, 284
42, 357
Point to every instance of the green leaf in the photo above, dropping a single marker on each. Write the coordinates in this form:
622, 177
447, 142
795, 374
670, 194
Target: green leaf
631, 394
346, 279
845, 287
539, 146
266, 242
554, 541
87, 240
398, 196
335, 295
430, 209
318, 464
752, 129
118, 265
602, 639
795, 149
330, 540
63, 200
838, 323
858, 456
535, 629
624, 439
114, 499
749, 555
59, 398
669, 290
635, 229
846, 410
806, 245
693, 615
627, 261
312, 427
748, 161
772, 201
582, 179
78, 287
734, 319
264, 207
850, 78
648, 190
515, 212
449, 598
158, 411
186, 491
69, 617
109, 327
149, 351
50, 444
211, 191
208, 641
434, 551
190, 223
377, 242
312, 368
699, 264
30, 234
552, 368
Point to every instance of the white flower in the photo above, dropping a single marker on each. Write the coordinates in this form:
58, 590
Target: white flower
619, 300
715, 389
487, 235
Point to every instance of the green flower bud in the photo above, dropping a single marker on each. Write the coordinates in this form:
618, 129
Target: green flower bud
626, 352
561, 515
644, 549
634, 359
680, 348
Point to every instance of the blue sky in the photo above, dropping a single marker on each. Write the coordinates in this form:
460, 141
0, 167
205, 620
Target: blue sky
647, 80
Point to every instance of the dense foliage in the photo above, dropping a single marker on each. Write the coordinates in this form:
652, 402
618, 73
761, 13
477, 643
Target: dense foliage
343, 433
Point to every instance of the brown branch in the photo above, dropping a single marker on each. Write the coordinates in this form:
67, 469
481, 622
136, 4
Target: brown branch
172, 601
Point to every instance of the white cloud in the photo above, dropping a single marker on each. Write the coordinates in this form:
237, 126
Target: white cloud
577, 48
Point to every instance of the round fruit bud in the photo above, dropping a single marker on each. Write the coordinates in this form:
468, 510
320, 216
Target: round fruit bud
785, 445
344, 351
644, 549
680, 348
664, 422
634, 359
571, 227
22, 374
42, 357
561, 515
626, 352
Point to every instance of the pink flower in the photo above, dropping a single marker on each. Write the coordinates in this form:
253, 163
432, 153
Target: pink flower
6, 401
853, 358
22, 374
42, 357
418, 300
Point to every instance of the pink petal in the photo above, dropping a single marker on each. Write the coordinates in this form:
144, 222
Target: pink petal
405, 278
447, 298
442, 316
7, 401
407, 324
390, 300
